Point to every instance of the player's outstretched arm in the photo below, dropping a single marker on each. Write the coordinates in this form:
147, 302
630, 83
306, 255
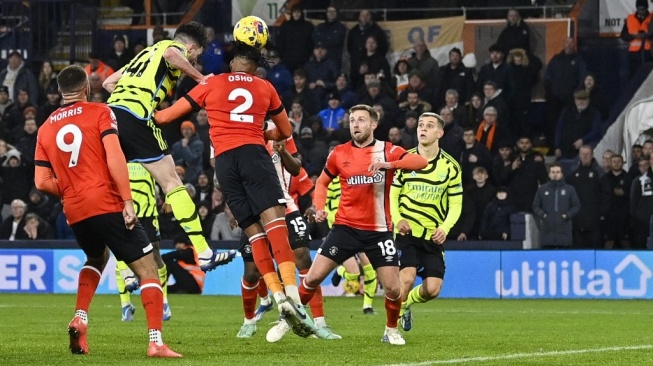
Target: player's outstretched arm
181, 107
44, 180
110, 83
410, 162
176, 58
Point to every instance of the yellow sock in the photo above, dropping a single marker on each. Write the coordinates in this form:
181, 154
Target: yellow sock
273, 282
414, 297
120, 282
369, 285
186, 214
347, 275
163, 278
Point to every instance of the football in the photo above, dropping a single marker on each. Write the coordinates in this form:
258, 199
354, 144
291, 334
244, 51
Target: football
253, 31
351, 287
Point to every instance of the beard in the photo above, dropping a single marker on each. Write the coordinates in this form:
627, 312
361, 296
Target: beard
361, 137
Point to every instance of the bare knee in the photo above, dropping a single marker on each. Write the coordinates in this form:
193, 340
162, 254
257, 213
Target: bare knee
251, 275
392, 292
100, 262
433, 289
303, 258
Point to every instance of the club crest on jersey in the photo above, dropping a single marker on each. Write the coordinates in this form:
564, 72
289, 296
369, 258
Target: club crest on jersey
365, 179
275, 158
333, 251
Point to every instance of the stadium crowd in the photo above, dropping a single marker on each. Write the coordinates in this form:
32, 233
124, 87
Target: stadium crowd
320, 71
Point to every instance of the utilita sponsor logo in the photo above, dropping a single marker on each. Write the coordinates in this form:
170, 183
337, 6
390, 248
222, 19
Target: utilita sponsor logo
364, 179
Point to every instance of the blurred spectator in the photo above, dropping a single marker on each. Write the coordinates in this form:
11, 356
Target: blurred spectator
422, 60
332, 115
516, 34
331, 33
409, 131
606, 162
302, 93
342, 134
316, 151
578, 125
19, 116
212, 58
394, 136
562, 75
348, 98
400, 75
4, 149
524, 75
452, 140
636, 155
641, 203
356, 39
372, 61
95, 64
17, 179
181, 172
480, 194
182, 265
637, 32
502, 164
294, 41
496, 70
413, 104
384, 124
14, 228
415, 83
159, 34
186, 83
203, 188
207, 218
374, 96
495, 224
202, 130
5, 102
591, 85
47, 79
490, 131
188, 151
462, 229
528, 173
321, 72
120, 55
138, 46
555, 205
63, 230
497, 98
473, 155
385, 88
36, 228
586, 180
17, 77
26, 143
456, 76
615, 205
42, 205
278, 73
95, 82
225, 226
451, 102
316, 124
51, 104
472, 108
217, 201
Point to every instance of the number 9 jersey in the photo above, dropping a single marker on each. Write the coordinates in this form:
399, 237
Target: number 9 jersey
236, 104
70, 144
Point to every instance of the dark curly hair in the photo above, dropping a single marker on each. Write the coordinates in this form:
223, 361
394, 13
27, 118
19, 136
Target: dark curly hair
241, 49
192, 31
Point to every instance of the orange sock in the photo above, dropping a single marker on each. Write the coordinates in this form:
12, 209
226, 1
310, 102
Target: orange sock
89, 278
306, 293
277, 233
249, 292
262, 288
392, 308
288, 273
264, 263
316, 303
152, 299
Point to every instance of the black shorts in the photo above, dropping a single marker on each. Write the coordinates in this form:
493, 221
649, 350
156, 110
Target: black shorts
297, 235
343, 242
422, 254
141, 141
151, 226
96, 233
249, 182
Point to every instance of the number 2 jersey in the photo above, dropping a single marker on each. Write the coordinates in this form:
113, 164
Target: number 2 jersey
70, 143
236, 104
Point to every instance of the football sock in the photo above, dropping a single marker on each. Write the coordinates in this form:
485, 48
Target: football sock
306, 293
120, 282
319, 322
249, 293
263, 292
82, 315
317, 302
89, 278
163, 278
264, 262
288, 273
369, 285
277, 233
347, 275
185, 212
392, 308
152, 299
414, 296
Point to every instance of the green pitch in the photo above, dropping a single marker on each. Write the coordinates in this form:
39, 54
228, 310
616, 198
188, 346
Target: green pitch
452, 332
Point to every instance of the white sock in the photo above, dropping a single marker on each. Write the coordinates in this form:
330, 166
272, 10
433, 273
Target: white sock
320, 322
155, 336
249, 321
293, 293
206, 254
279, 296
83, 315
265, 300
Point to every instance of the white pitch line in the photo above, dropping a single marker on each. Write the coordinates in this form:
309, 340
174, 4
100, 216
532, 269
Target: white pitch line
524, 355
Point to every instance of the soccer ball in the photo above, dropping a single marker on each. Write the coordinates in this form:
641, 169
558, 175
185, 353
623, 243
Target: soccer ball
253, 31
351, 287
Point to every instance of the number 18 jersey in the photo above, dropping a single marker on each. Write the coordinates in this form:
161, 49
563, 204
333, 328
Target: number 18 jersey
236, 104
70, 143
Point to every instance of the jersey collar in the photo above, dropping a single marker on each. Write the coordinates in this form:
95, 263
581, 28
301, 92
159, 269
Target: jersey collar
362, 147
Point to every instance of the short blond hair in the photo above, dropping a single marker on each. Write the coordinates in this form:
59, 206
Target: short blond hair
374, 115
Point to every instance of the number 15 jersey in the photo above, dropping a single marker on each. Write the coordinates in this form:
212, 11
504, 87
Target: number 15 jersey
70, 143
236, 104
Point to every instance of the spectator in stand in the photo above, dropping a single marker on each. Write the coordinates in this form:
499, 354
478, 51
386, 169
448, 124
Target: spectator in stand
461, 231
188, 152
95, 64
415, 83
26, 143
452, 140
456, 76
51, 104
637, 32
294, 39
6, 103
331, 33
342, 134
203, 188
562, 75
321, 73
374, 62
497, 98
356, 39
36, 228
139, 45
385, 123
370, 77
480, 194
316, 151
409, 131
490, 131
212, 58
4, 149
528, 173
63, 230
374, 96
18, 77
502, 164
202, 130
348, 98
606, 162
15, 228
473, 155
578, 125
524, 75
394, 136
422, 60
207, 218
47, 79
302, 93
555, 205
473, 108
413, 104
495, 224
298, 118
225, 226
451, 102
120, 55
615, 205
591, 85
217, 200
186, 83
278, 73
400, 75
496, 70
637, 153
332, 115
95, 82
319, 132
516, 34
641, 203
586, 180
18, 111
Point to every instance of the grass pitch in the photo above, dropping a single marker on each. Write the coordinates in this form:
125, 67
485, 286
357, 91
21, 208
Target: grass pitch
465, 332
